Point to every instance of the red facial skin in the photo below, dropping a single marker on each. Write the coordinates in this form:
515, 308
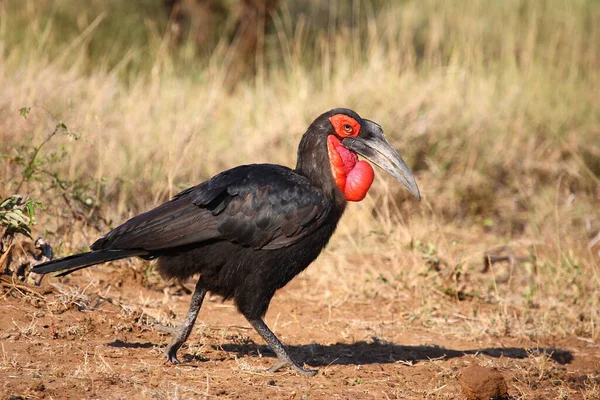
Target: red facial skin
353, 177
341, 123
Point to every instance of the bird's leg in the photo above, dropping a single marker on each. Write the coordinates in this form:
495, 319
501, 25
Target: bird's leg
185, 328
284, 359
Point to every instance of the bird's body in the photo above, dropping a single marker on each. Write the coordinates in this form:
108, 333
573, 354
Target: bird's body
246, 213
248, 231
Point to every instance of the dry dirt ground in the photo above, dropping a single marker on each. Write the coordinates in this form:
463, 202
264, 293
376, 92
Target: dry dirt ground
94, 335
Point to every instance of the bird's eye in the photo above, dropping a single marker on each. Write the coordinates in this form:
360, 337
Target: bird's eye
347, 128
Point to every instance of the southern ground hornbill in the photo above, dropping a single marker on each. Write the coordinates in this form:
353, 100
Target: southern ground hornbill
249, 230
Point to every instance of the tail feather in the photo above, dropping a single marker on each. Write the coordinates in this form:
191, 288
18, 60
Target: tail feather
84, 260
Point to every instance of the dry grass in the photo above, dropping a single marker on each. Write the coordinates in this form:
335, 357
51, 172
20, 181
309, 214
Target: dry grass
494, 105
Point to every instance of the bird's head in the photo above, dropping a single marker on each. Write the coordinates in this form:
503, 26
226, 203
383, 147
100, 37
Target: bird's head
348, 135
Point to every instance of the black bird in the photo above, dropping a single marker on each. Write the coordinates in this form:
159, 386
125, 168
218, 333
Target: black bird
249, 230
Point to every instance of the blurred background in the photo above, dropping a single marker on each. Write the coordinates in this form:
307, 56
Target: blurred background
109, 107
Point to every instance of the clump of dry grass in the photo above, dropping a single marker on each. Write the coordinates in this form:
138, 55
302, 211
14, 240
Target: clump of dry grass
494, 105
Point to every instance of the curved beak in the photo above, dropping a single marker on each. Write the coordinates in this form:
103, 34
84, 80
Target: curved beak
372, 145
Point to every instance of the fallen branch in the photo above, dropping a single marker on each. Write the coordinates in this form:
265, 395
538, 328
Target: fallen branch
9, 284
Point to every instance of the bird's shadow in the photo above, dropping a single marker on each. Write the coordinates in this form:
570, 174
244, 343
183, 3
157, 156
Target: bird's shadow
379, 352
373, 352
127, 345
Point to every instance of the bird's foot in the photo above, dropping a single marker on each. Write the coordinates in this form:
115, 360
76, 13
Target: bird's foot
292, 365
171, 354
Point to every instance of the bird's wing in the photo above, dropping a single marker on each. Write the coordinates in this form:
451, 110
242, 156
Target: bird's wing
272, 207
260, 206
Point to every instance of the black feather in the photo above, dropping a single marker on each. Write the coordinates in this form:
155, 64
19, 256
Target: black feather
84, 260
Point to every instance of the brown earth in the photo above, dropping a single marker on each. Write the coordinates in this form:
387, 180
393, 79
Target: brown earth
481, 383
93, 336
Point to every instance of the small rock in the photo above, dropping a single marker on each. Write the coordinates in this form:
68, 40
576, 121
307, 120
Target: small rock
154, 382
481, 383
39, 387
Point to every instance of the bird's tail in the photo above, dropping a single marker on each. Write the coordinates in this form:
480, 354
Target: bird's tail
84, 260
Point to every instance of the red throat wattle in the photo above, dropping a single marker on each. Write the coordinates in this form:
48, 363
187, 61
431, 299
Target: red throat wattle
353, 177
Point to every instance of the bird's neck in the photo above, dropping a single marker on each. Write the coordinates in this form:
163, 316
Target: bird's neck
313, 163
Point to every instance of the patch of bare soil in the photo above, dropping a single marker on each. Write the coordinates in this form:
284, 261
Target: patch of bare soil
481, 383
96, 336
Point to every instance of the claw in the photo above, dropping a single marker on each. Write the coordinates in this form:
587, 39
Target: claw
305, 371
171, 354
292, 365
174, 360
